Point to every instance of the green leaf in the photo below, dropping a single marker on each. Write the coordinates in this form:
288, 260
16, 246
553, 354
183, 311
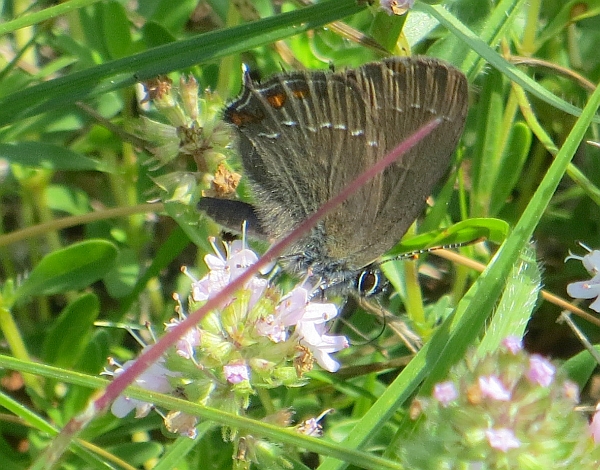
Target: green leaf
517, 302
137, 453
187, 217
115, 26
91, 361
489, 136
494, 230
513, 159
175, 243
581, 366
73, 201
69, 269
482, 49
564, 19
176, 452
42, 15
385, 29
71, 331
122, 278
173, 15
48, 156
154, 34
127, 71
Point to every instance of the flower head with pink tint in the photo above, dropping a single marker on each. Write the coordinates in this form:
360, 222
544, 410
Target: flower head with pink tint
517, 411
513, 343
155, 378
502, 439
445, 393
492, 387
236, 372
541, 370
225, 268
595, 426
251, 342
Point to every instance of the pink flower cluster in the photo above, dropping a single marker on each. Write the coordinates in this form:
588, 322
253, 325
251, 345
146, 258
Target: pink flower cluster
295, 309
256, 338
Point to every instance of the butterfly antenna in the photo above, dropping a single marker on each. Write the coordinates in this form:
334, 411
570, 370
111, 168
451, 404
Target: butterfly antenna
416, 253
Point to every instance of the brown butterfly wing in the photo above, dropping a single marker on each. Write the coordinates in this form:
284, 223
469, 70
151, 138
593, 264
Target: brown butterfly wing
305, 135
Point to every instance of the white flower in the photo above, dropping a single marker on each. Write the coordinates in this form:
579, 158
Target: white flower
445, 393
236, 372
185, 345
294, 308
513, 343
491, 386
587, 289
541, 370
154, 378
224, 269
312, 335
595, 425
502, 439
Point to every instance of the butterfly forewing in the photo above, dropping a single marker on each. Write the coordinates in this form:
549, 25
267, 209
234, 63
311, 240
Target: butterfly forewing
305, 135
293, 137
401, 95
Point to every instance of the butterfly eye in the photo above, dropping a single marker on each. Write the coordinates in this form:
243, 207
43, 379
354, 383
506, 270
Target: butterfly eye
370, 282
